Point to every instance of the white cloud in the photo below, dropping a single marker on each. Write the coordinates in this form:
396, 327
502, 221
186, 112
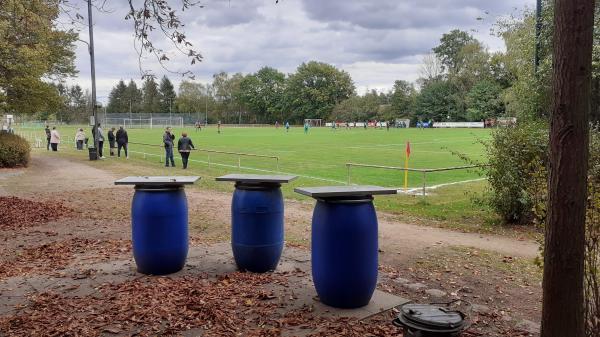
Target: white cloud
376, 42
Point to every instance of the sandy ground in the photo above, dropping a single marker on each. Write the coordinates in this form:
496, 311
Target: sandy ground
63, 176
485, 269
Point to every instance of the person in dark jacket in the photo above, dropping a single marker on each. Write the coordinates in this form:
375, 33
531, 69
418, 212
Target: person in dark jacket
111, 141
168, 139
185, 146
48, 136
122, 140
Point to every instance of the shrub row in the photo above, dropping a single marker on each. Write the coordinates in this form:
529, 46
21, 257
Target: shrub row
14, 150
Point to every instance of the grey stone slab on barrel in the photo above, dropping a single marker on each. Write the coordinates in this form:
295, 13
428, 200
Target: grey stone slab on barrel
158, 181
344, 191
257, 178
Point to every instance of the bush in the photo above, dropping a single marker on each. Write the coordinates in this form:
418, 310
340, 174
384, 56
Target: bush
518, 158
14, 151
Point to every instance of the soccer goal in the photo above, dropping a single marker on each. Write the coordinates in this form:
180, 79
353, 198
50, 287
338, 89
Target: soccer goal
313, 122
144, 123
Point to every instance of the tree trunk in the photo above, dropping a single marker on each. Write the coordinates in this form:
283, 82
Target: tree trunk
563, 305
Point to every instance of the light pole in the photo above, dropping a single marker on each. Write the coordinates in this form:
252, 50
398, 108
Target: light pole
93, 71
206, 104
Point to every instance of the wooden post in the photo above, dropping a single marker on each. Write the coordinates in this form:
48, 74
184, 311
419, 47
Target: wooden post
563, 302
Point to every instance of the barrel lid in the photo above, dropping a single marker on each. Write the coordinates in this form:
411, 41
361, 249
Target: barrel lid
257, 178
431, 318
158, 181
344, 191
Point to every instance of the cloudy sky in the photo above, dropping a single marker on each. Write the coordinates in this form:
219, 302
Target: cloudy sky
376, 41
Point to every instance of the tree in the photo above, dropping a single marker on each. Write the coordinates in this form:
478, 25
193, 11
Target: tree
449, 50
191, 97
431, 69
402, 99
78, 107
150, 96
32, 49
315, 89
529, 94
484, 101
167, 95
133, 97
262, 93
437, 102
563, 301
117, 99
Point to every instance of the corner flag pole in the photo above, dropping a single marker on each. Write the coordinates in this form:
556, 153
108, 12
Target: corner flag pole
406, 165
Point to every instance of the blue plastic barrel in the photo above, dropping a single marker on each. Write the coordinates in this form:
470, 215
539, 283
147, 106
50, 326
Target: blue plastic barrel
344, 251
257, 226
159, 226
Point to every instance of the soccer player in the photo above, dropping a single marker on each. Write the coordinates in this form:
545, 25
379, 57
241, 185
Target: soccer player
287, 126
305, 127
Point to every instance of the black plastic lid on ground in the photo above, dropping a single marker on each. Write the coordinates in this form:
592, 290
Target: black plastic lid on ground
431, 318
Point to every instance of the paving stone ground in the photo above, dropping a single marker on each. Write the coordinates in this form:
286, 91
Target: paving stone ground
82, 278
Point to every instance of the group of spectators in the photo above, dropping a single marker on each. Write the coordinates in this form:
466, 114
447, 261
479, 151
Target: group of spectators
118, 140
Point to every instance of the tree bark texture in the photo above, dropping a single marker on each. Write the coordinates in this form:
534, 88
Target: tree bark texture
563, 305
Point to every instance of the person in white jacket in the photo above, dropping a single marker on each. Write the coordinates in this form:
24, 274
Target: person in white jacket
54, 139
79, 138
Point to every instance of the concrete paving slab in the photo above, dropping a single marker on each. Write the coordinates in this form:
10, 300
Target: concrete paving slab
206, 260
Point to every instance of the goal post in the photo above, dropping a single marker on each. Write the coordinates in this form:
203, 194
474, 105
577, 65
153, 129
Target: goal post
143, 123
313, 122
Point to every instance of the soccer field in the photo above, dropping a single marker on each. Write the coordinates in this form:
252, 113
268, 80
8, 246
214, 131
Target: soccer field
321, 154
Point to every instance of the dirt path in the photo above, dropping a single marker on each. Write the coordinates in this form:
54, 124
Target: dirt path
47, 174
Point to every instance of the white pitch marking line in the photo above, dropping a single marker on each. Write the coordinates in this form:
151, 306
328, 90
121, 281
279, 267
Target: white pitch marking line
417, 190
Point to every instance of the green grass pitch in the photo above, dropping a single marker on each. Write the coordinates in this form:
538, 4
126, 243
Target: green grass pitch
323, 152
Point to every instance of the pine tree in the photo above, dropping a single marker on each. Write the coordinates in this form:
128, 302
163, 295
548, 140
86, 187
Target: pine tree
117, 100
133, 96
167, 95
150, 96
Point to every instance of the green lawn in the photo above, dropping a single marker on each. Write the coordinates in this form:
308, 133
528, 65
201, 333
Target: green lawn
322, 153
319, 158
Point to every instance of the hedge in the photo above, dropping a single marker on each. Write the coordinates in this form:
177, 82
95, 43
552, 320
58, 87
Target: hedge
14, 150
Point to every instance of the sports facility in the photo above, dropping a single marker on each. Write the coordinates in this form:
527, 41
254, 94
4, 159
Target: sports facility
322, 154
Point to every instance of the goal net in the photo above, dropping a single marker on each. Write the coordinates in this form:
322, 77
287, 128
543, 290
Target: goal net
313, 122
143, 123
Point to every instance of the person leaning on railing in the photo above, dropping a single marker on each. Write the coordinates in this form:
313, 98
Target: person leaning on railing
185, 146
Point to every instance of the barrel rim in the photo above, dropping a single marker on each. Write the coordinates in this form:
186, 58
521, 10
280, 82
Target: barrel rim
347, 199
158, 188
257, 186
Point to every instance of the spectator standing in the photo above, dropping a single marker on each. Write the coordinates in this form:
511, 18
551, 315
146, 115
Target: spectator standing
111, 141
168, 138
185, 146
100, 141
122, 141
219, 127
79, 138
48, 136
54, 139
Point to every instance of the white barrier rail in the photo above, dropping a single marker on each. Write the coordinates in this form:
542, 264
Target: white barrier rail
424, 171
